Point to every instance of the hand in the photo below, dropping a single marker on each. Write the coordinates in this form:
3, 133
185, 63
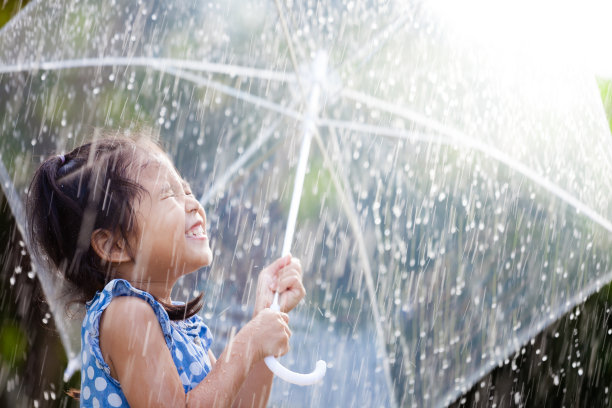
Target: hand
285, 274
268, 334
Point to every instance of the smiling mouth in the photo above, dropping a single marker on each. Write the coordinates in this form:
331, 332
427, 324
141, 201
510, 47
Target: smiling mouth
196, 232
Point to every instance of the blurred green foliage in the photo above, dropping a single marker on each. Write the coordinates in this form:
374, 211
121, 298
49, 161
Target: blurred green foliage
13, 344
605, 88
8, 8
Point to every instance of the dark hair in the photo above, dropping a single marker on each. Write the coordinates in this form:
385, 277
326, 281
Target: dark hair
71, 196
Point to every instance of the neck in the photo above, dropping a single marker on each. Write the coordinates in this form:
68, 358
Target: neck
143, 279
160, 290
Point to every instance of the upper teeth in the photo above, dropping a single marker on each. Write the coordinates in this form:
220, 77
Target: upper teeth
196, 232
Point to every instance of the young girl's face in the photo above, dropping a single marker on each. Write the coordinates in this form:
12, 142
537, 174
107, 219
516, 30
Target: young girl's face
172, 238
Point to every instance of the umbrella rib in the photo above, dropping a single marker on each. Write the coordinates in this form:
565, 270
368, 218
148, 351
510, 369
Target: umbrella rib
452, 136
47, 282
385, 34
454, 139
228, 175
291, 49
348, 205
396, 110
159, 63
238, 94
228, 90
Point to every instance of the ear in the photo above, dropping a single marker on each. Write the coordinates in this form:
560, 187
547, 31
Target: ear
108, 247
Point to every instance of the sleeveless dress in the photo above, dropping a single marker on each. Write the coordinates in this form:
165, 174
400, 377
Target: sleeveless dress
188, 341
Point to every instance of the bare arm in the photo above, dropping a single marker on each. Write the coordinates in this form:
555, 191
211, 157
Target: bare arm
144, 367
286, 275
256, 389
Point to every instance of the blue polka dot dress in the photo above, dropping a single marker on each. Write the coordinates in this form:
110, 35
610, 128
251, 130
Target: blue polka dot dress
188, 342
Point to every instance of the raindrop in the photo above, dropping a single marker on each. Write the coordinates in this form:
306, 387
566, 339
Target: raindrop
517, 398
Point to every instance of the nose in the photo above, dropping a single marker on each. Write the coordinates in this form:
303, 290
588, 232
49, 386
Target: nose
192, 204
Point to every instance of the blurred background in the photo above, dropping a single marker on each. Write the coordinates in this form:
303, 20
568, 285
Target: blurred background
568, 364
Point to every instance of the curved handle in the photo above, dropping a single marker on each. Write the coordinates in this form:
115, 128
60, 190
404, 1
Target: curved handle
293, 377
290, 376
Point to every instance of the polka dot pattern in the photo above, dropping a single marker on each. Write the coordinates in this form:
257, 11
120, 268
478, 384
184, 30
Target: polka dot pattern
195, 368
100, 384
188, 342
114, 400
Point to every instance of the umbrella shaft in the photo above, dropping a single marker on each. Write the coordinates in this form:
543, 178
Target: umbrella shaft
319, 68
297, 193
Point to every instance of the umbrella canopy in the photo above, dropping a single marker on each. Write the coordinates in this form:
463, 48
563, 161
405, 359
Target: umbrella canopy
456, 196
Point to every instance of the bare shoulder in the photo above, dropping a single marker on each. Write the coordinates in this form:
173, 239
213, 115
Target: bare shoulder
127, 313
128, 327
124, 323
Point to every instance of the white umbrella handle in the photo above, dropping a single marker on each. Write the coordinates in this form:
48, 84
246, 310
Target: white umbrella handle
291, 376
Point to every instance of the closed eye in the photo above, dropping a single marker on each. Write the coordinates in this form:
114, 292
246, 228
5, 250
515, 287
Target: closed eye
186, 187
167, 192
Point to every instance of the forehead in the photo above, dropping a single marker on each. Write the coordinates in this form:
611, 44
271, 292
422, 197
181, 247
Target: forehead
156, 170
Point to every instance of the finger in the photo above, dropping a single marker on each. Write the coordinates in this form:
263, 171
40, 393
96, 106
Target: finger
279, 263
289, 281
285, 317
285, 278
291, 284
298, 262
273, 283
289, 271
295, 264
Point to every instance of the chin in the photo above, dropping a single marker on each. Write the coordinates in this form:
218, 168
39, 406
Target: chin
205, 260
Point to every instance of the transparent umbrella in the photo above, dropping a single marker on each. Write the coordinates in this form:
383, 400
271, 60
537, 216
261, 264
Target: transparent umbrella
455, 199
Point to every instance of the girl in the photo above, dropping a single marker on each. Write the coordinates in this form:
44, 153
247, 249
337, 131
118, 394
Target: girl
115, 217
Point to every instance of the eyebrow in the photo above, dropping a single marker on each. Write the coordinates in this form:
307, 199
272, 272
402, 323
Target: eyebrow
165, 187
